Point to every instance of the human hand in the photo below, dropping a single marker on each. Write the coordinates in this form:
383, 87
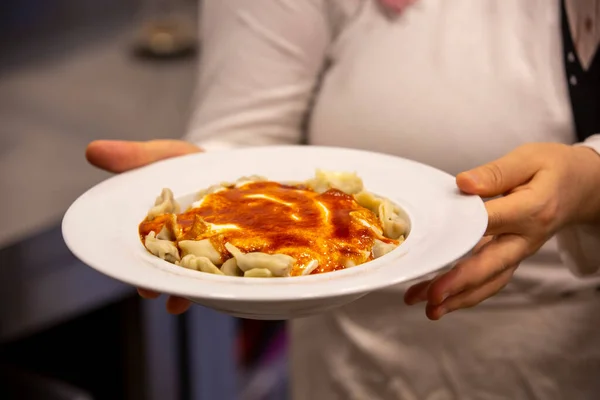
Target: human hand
120, 156
544, 187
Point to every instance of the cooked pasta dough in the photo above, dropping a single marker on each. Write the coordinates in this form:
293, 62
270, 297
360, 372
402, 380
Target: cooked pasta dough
202, 264
258, 228
369, 201
346, 182
380, 248
393, 225
201, 248
310, 267
278, 264
248, 179
165, 203
230, 268
164, 249
212, 189
171, 229
258, 273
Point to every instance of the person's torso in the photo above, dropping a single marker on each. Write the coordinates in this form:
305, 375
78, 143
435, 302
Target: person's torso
454, 85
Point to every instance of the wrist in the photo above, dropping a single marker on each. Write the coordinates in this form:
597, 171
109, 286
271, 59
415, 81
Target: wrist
588, 162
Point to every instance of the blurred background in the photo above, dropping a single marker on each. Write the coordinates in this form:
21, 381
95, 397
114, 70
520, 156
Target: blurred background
72, 71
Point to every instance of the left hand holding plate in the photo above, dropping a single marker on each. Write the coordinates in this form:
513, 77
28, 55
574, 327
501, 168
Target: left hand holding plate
543, 187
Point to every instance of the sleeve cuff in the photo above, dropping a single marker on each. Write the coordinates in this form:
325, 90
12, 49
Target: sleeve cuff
579, 249
592, 142
579, 245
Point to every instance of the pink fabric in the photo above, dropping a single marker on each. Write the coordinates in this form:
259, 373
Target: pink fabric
396, 5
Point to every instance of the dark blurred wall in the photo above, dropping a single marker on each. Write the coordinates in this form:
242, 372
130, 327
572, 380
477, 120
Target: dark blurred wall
39, 16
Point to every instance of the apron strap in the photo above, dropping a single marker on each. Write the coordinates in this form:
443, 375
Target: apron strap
584, 86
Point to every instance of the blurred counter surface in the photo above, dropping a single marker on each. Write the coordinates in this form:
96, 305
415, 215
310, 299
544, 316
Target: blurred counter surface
62, 85
67, 77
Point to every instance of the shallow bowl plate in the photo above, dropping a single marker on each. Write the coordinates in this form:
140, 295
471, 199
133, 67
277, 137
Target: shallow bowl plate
100, 227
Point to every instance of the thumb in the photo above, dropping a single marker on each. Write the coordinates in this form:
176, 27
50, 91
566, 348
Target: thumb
499, 176
120, 156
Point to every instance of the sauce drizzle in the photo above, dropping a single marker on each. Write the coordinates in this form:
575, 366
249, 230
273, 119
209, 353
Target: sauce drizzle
271, 217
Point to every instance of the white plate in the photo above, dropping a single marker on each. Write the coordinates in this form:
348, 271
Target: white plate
100, 227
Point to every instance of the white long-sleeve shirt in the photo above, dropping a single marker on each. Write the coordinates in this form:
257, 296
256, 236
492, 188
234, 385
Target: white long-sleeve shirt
453, 84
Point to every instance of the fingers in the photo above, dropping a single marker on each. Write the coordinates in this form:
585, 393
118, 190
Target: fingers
470, 298
177, 305
500, 176
120, 156
530, 211
417, 293
509, 214
520, 222
494, 258
481, 244
147, 294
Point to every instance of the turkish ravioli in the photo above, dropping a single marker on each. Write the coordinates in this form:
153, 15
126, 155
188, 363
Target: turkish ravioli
254, 227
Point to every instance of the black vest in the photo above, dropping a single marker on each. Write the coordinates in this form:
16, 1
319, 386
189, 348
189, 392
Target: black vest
584, 86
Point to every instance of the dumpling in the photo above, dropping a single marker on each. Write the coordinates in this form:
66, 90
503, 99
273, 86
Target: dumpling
358, 215
249, 179
393, 225
199, 227
258, 273
209, 190
278, 264
201, 248
227, 185
314, 264
380, 248
202, 264
171, 229
347, 182
165, 234
368, 201
164, 249
230, 268
164, 204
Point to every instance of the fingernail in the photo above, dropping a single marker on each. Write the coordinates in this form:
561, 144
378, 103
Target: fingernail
442, 311
473, 177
